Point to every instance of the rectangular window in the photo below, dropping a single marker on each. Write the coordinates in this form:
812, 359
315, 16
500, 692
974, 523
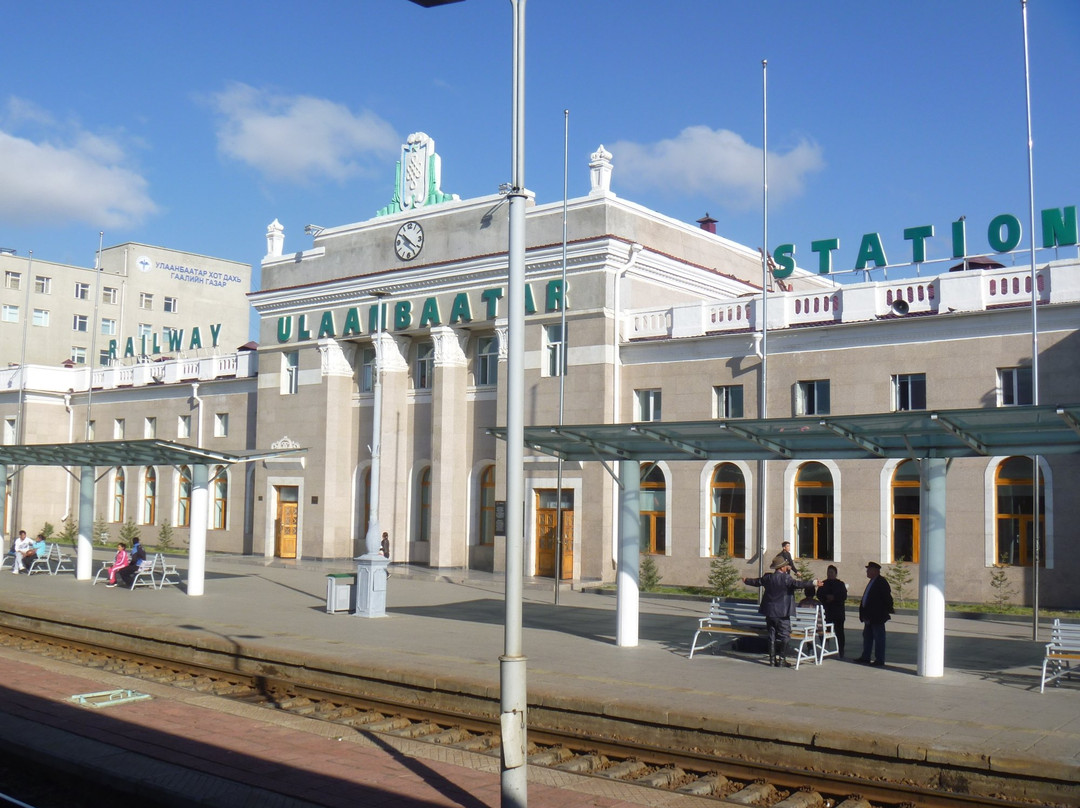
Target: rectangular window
1014, 387
108, 327
10, 433
424, 370
812, 398
367, 371
728, 401
648, 405
171, 305
118, 429
110, 294
91, 430
13, 280
183, 426
150, 427
487, 361
221, 425
79, 323
11, 314
41, 317
290, 373
82, 291
104, 357
78, 355
146, 300
909, 392
43, 285
555, 343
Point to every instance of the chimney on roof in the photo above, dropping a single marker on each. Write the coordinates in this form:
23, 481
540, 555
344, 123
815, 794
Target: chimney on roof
707, 223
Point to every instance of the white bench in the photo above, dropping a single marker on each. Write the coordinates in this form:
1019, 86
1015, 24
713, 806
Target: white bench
53, 562
164, 572
808, 628
1062, 650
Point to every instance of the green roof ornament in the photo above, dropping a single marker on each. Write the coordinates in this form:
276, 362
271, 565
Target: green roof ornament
417, 178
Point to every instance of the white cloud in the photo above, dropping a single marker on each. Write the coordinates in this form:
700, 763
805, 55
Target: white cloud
75, 176
719, 163
299, 138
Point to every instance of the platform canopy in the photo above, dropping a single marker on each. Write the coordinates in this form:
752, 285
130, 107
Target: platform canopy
126, 453
1029, 430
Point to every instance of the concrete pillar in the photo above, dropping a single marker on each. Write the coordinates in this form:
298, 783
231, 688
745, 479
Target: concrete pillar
200, 515
931, 657
626, 597
449, 450
84, 560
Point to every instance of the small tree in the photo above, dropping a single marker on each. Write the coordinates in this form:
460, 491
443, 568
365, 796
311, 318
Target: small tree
898, 576
101, 530
129, 531
70, 533
1002, 586
648, 576
803, 570
47, 531
165, 536
724, 579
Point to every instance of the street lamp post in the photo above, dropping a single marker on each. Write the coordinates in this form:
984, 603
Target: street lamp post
513, 701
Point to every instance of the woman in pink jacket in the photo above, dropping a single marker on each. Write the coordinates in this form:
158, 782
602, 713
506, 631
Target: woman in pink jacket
119, 563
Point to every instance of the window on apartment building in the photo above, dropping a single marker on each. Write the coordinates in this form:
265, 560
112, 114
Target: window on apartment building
168, 335
814, 512
367, 370
728, 511
11, 314
111, 295
652, 510
555, 349
41, 317
146, 300
82, 291
145, 331
728, 401
43, 285
221, 497
1014, 387
118, 429
171, 305
648, 405
78, 354
221, 425
91, 430
424, 369
909, 392
1014, 513
183, 426
487, 361
79, 322
11, 434
13, 280
812, 398
104, 357
150, 427
905, 512
108, 327
290, 373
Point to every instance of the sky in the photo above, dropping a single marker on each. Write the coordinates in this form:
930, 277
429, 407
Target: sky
194, 125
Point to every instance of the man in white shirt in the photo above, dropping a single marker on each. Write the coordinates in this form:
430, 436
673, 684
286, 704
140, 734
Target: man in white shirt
23, 545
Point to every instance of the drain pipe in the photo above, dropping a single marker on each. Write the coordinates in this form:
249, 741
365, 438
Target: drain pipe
616, 386
199, 403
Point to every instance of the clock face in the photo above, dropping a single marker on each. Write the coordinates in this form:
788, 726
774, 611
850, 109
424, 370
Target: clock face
409, 241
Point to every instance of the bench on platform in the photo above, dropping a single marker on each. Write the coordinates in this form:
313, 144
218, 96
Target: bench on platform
809, 631
53, 562
164, 572
1062, 650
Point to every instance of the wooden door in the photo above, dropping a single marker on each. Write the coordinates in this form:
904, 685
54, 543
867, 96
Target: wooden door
285, 523
547, 534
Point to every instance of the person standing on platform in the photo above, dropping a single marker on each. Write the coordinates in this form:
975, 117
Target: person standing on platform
119, 562
384, 548
785, 551
778, 604
874, 610
832, 593
22, 547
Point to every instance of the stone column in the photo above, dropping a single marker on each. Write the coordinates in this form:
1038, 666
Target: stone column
449, 450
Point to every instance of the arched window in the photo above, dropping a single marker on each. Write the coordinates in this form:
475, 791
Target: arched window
149, 497
183, 498
423, 525
728, 511
905, 508
653, 510
814, 512
119, 490
221, 497
1015, 512
487, 506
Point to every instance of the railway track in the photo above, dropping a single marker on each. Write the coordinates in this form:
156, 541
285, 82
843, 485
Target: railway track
685, 770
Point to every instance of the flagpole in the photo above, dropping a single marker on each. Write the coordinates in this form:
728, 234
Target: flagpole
563, 363
764, 375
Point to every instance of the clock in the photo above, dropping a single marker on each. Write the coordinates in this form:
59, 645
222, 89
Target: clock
409, 241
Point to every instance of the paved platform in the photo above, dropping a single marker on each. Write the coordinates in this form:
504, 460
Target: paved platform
986, 711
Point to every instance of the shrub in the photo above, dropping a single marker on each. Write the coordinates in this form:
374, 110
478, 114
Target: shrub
898, 576
129, 531
724, 579
1002, 586
101, 531
165, 536
70, 533
648, 576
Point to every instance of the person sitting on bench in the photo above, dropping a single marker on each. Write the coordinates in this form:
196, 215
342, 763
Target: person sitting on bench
136, 559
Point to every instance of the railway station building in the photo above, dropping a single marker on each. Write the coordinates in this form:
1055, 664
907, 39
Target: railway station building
642, 319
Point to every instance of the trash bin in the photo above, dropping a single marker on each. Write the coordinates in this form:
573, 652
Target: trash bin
339, 591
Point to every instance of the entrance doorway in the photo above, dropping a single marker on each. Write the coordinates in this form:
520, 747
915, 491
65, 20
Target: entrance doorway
547, 533
285, 520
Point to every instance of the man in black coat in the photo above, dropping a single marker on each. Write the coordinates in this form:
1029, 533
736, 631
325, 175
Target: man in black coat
874, 610
778, 604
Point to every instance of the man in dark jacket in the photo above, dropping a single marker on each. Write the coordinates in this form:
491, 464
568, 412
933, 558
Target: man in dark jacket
874, 610
778, 604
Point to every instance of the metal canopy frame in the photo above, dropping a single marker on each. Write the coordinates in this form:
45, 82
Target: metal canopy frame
126, 453
979, 432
